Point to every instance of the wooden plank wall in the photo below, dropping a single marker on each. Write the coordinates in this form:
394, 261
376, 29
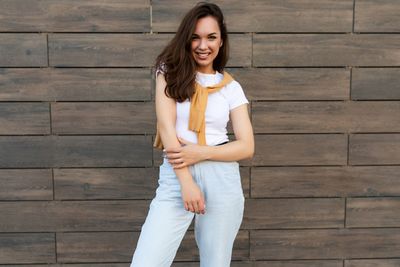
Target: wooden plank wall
77, 168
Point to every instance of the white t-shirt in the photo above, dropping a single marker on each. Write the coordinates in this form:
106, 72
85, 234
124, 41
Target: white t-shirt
219, 105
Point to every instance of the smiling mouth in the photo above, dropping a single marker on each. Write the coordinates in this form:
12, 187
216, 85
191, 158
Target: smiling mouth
202, 55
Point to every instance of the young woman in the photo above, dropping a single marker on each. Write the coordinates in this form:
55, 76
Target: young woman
199, 176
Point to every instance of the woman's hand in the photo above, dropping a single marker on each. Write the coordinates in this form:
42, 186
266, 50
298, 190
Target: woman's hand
186, 155
192, 197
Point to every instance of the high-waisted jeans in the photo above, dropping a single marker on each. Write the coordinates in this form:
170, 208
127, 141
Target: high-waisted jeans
167, 220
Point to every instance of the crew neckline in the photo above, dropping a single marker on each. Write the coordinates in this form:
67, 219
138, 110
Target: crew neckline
207, 74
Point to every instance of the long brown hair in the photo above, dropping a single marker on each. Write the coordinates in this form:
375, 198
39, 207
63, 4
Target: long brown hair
176, 59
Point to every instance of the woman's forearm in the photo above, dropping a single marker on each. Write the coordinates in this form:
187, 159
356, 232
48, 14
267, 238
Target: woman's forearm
169, 139
232, 151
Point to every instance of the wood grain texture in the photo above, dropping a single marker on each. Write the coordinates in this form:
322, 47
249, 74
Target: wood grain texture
74, 16
346, 181
325, 117
75, 84
27, 248
107, 183
309, 149
293, 83
293, 213
74, 151
26, 184
373, 212
23, 50
73, 216
266, 16
324, 244
286, 50
375, 84
103, 118
377, 16
372, 263
24, 118
374, 149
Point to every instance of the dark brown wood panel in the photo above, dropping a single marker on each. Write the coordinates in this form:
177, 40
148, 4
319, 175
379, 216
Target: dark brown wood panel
300, 149
105, 50
373, 212
285, 50
372, 263
294, 83
23, 50
26, 184
75, 151
266, 16
103, 118
374, 149
120, 246
375, 84
108, 183
367, 181
24, 118
325, 117
68, 216
75, 84
75, 16
293, 213
27, 248
240, 50
325, 244
377, 16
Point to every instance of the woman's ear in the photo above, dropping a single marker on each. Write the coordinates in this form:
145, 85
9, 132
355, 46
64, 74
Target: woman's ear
221, 44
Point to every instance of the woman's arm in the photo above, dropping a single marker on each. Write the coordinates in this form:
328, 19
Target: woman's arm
241, 148
166, 119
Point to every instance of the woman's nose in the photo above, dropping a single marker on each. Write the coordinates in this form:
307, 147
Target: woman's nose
203, 44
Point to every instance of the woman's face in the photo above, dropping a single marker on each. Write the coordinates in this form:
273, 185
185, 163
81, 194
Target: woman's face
206, 41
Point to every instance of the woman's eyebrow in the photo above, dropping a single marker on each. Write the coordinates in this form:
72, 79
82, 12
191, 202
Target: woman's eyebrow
194, 34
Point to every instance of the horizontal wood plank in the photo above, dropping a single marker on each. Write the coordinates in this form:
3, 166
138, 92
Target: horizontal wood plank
300, 149
293, 83
74, 16
367, 149
24, 118
325, 117
23, 50
69, 216
324, 244
293, 213
373, 16
285, 50
108, 183
26, 184
103, 118
367, 181
75, 84
373, 212
372, 263
27, 248
266, 16
75, 151
375, 84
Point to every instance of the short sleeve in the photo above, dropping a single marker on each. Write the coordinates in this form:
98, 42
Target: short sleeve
161, 69
235, 95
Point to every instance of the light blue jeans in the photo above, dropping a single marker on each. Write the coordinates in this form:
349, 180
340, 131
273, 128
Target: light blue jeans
167, 220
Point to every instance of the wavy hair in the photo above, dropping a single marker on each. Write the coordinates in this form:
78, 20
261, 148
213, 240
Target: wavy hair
176, 60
